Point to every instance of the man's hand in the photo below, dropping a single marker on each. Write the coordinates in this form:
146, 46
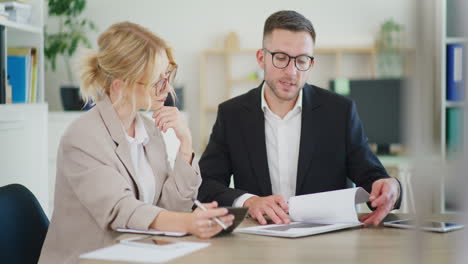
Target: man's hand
383, 197
273, 206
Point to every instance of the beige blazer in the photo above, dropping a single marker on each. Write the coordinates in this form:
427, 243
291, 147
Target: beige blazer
97, 191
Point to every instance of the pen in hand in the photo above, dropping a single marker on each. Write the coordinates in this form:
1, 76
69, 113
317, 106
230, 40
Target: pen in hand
216, 219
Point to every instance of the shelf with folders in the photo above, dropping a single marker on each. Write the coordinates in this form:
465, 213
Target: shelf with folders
22, 56
451, 85
450, 90
23, 123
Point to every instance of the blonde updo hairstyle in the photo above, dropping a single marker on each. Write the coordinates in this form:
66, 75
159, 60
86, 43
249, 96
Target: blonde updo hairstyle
129, 52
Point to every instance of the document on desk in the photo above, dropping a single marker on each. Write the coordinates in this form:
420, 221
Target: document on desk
317, 213
151, 232
139, 254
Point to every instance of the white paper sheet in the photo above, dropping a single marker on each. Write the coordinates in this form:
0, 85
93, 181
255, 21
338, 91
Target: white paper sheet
294, 229
151, 232
316, 213
328, 207
122, 252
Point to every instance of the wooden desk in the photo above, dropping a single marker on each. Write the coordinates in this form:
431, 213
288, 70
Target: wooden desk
372, 245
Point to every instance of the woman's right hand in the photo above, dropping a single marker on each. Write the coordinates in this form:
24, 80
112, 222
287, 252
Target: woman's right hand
202, 224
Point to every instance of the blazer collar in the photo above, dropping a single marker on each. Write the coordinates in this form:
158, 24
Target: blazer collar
254, 135
253, 132
116, 131
111, 120
156, 153
309, 132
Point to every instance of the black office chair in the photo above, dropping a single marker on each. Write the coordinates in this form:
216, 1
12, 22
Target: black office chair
23, 225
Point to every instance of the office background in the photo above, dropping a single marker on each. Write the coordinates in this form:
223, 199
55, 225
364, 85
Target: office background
194, 29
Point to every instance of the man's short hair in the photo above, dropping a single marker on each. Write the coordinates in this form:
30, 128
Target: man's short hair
289, 20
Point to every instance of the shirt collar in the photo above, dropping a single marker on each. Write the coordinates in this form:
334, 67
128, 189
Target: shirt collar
298, 104
141, 136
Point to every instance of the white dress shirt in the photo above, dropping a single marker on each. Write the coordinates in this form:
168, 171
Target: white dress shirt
282, 139
143, 170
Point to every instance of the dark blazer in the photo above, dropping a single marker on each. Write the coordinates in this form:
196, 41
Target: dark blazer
333, 147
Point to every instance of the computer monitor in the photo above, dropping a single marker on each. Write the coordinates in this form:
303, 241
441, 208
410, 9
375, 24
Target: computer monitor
378, 103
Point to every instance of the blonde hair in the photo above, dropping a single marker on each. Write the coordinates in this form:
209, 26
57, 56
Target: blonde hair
126, 51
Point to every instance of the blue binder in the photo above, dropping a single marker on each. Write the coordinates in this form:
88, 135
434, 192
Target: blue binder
17, 71
454, 77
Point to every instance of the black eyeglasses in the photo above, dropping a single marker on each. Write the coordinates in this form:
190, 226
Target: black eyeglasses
281, 60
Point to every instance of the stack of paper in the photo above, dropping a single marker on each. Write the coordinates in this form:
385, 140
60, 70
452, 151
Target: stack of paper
317, 213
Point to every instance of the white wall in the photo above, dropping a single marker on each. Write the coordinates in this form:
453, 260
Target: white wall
191, 26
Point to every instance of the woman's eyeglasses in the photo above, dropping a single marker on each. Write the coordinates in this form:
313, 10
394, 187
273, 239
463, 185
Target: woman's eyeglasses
165, 79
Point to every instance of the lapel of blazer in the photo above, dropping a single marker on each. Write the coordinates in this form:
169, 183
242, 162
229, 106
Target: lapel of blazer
253, 130
310, 130
156, 153
114, 126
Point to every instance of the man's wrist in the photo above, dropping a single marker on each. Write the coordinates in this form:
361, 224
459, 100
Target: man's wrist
240, 201
249, 201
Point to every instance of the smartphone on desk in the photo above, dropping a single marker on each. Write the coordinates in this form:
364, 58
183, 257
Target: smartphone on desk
433, 226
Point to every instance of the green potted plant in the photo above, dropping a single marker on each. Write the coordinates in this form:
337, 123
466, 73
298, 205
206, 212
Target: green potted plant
390, 43
71, 34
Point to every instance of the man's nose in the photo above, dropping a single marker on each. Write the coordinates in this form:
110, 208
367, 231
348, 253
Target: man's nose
291, 68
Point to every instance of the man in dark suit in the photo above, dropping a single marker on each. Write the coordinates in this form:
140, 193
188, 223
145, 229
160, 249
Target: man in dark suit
287, 138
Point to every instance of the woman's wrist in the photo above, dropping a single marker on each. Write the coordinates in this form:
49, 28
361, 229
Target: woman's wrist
188, 219
186, 143
172, 221
186, 150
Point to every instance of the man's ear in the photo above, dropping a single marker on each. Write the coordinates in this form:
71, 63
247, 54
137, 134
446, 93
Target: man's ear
312, 64
261, 58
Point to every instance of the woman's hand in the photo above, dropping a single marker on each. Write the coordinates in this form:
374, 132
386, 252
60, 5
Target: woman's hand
201, 224
169, 117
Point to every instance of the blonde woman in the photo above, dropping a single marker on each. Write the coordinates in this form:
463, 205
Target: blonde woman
112, 167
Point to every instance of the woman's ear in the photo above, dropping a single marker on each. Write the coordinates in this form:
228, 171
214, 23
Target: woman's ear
116, 87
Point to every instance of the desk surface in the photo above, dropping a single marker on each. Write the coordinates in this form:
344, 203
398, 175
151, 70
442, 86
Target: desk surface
362, 245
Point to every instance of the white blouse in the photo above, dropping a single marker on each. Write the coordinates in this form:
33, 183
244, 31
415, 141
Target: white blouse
143, 170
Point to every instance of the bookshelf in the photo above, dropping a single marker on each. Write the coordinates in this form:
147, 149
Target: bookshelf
23, 127
448, 35
449, 110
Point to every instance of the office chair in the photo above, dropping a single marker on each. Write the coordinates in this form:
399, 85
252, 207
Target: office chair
23, 225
